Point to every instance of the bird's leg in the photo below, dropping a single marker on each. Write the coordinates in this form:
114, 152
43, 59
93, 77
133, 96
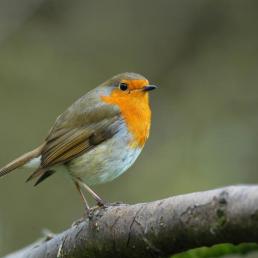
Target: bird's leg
99, 201
87, 207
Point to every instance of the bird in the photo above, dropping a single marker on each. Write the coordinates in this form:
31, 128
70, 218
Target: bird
97, 138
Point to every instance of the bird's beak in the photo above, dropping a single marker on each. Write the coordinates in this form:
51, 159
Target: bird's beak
149, 87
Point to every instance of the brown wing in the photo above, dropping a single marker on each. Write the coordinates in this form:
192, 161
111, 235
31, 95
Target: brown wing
76, 141
77, 131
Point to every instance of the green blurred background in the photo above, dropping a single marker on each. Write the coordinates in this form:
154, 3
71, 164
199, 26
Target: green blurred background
203, 55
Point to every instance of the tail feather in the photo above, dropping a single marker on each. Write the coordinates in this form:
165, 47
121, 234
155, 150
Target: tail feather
39, 172
21, 161
44, 176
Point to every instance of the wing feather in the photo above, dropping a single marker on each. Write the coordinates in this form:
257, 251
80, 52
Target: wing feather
87, 123
78, 141
63, 144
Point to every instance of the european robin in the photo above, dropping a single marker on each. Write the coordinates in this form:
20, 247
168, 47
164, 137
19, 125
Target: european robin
97, 138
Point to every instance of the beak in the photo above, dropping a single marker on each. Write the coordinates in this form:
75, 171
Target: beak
149, 87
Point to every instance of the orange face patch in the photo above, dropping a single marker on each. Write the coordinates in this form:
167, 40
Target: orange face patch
135, 84
134, 108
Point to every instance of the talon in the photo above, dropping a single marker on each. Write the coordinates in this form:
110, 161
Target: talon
101, 203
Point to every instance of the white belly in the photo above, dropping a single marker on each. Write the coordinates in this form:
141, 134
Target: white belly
106, 161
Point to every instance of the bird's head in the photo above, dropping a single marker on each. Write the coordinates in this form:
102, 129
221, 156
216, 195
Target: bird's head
128, 88
130, 85
130, 93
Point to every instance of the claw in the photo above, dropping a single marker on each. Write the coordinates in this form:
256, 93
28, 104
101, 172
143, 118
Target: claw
101, 203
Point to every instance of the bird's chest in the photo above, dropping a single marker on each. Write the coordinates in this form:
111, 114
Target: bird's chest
138, 121
106, 161
136, 114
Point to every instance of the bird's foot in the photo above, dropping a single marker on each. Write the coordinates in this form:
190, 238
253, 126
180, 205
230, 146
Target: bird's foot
104, 205
101, 203
89, 212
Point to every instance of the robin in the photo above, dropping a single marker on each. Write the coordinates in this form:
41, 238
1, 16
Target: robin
97, 138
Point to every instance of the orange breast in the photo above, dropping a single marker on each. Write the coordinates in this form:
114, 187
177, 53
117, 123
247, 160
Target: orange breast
136, 112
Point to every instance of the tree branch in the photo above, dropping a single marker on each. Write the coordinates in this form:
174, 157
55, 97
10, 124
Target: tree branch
160, 228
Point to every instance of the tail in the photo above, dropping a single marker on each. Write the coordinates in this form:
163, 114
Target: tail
21, 161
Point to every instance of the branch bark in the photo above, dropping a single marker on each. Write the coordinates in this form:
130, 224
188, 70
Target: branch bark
159, 228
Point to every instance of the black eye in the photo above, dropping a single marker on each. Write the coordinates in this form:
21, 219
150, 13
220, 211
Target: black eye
123, 86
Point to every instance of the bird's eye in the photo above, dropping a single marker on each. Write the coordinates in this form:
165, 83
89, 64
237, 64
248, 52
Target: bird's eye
123, 86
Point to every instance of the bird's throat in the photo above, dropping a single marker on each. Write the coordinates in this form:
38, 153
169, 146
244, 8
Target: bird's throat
136, 112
